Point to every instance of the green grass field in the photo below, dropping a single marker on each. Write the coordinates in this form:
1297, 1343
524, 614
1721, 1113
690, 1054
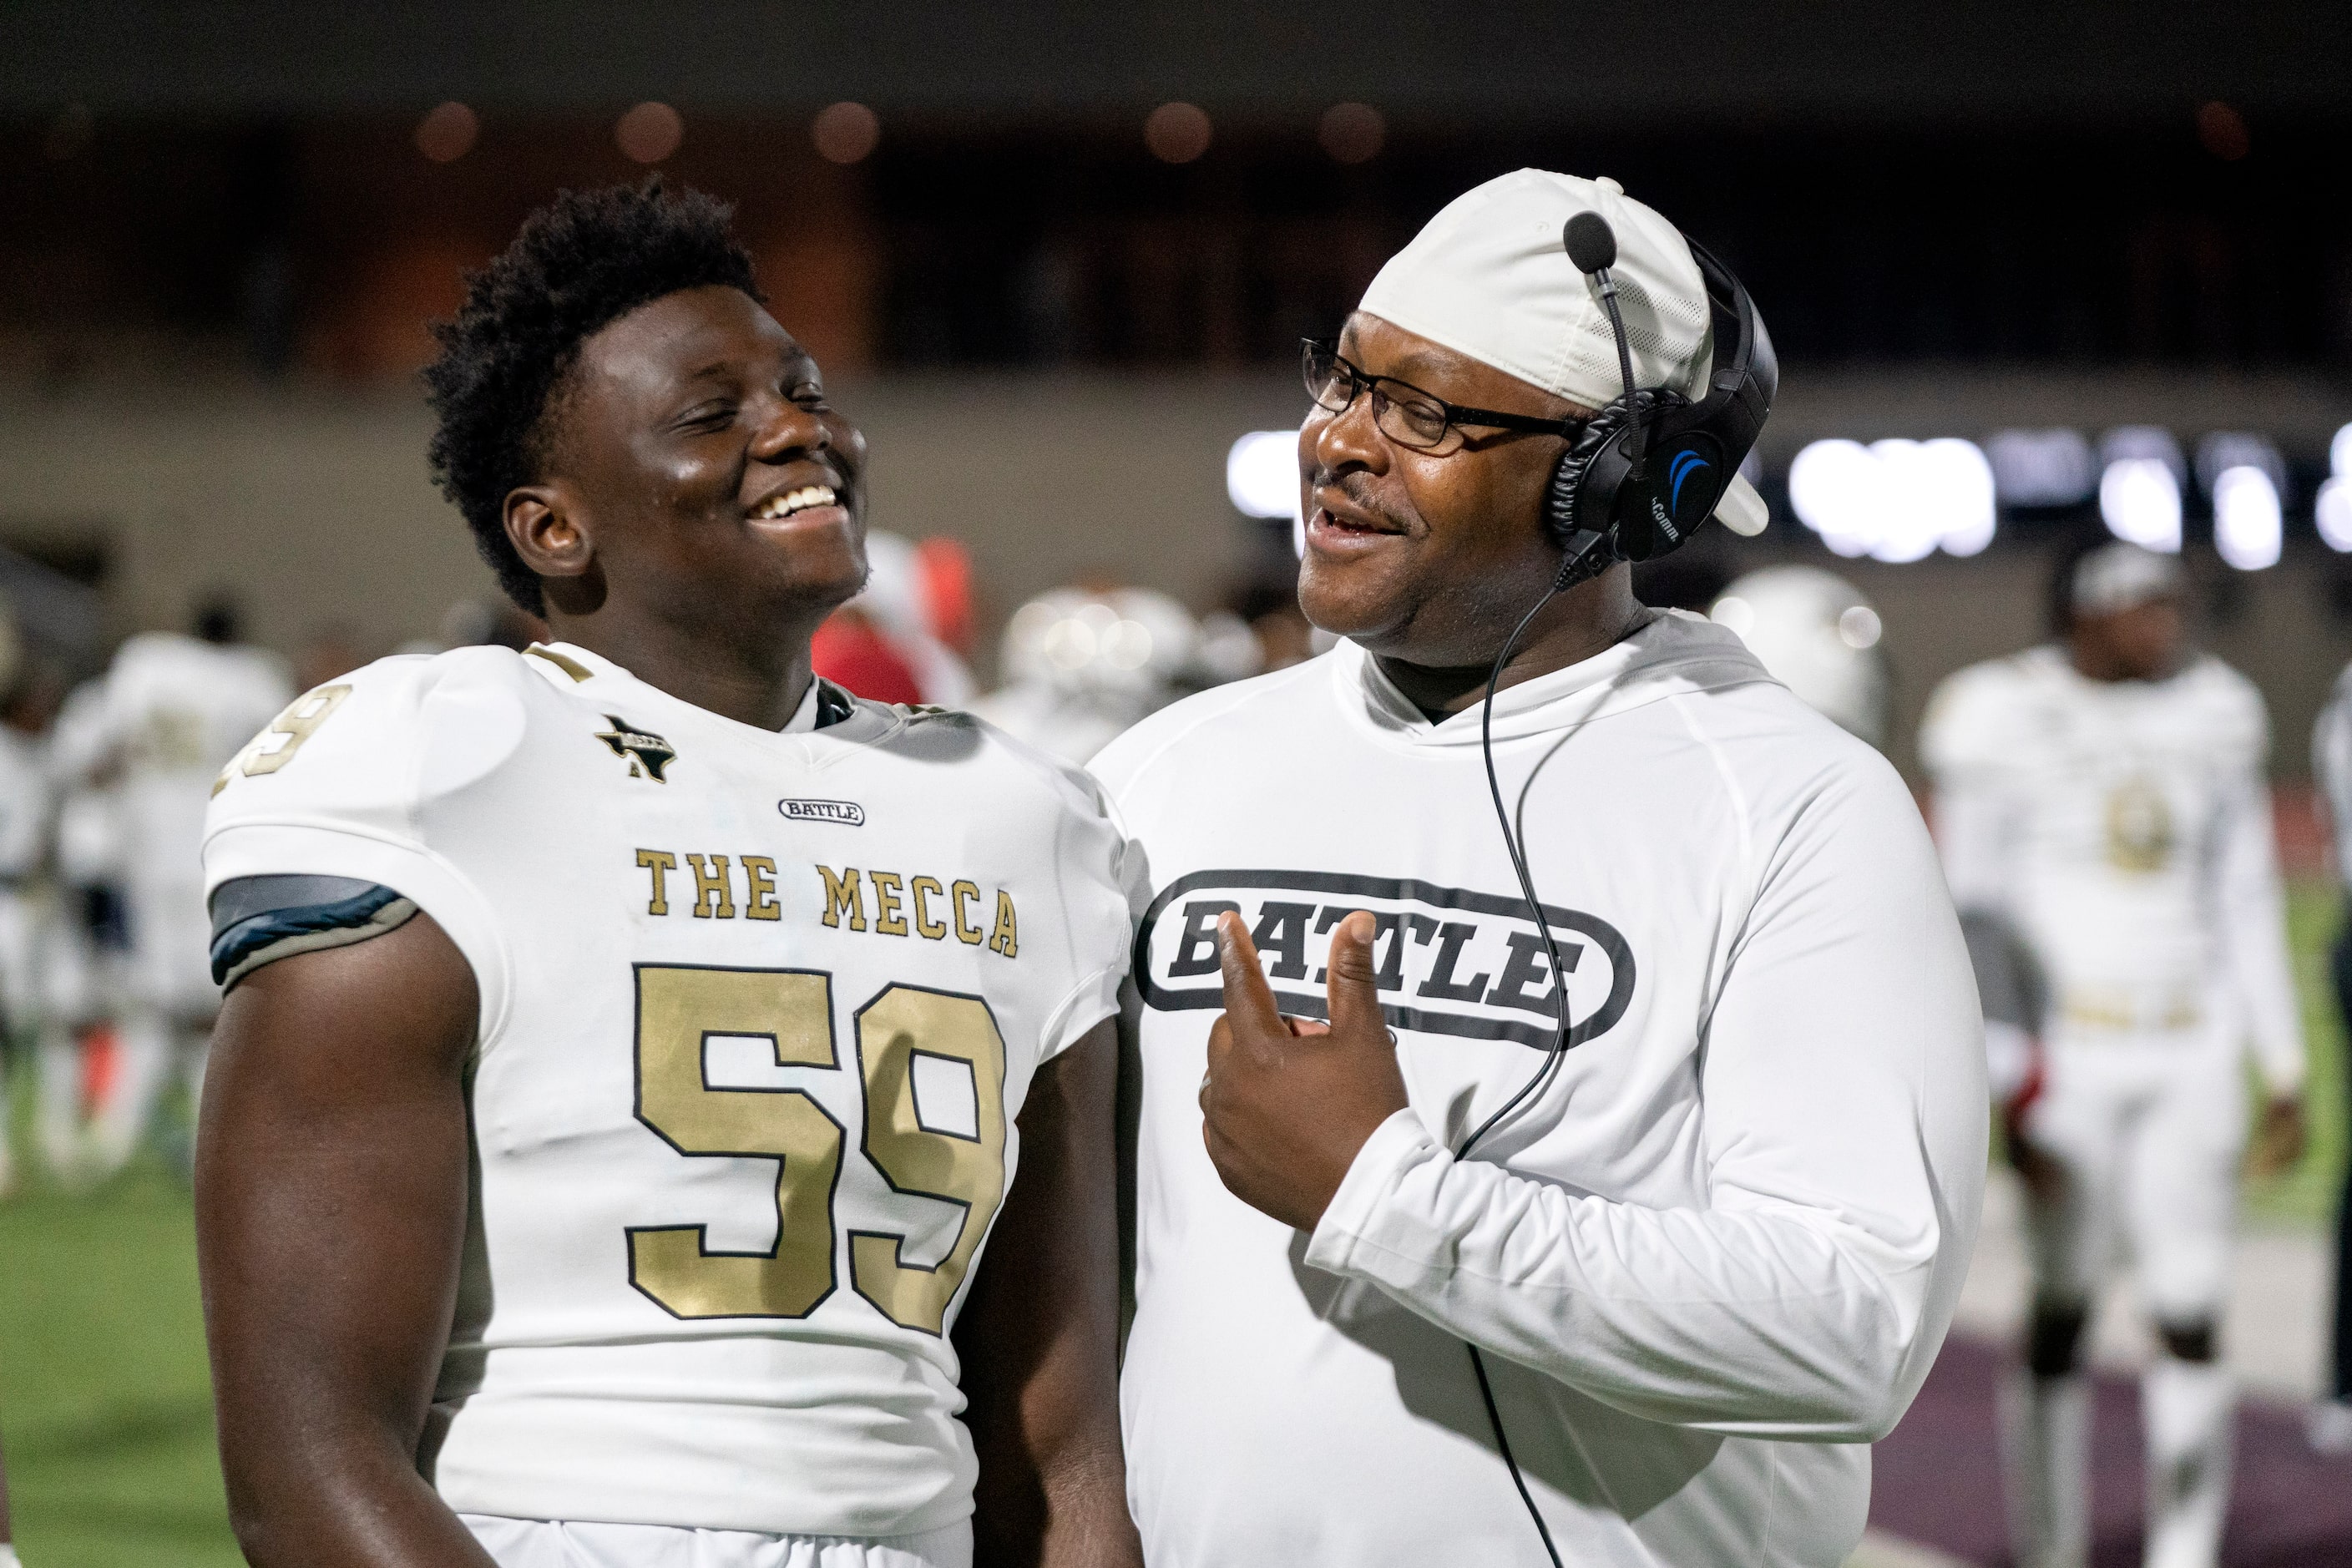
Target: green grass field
105, 1408
106, 1412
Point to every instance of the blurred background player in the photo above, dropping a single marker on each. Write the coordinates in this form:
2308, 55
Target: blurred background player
893, 642
24, 827
85, 941
1818, 634
1080, 664
2330, 1428
172, 711
2103, 800
26, 916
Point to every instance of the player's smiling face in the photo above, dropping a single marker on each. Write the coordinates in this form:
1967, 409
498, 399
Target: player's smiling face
695, 451
1419, 556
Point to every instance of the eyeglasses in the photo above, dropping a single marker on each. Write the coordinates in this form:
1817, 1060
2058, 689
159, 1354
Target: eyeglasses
1403, 412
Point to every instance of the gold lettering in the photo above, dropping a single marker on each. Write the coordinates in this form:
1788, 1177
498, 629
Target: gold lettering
289, 730
657, 861
842, 897
711, 896
887, 918
679, 1009
965, 930
893, 1030
1006, 938
759, 889
931, 929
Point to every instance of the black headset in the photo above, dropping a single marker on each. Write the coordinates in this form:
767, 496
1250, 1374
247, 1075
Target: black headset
1646, 472
1637, 481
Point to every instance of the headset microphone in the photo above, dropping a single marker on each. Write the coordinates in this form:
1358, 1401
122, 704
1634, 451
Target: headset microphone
1608, 501
1591, 246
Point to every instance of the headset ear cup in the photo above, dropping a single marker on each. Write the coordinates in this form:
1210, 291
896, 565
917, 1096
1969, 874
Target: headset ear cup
1566, 498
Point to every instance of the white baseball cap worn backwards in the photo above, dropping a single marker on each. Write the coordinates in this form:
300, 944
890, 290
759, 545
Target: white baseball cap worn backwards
1487, 277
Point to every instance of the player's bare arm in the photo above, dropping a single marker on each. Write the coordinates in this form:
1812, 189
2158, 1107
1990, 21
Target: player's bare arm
330, 1193
1039, 1337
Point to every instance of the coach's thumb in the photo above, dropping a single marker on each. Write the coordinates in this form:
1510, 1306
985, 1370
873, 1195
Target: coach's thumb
1353, 991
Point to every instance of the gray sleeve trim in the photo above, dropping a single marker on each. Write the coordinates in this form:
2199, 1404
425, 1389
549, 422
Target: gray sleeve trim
260, 920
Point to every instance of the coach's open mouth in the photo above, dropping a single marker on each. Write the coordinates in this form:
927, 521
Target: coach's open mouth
1336, 525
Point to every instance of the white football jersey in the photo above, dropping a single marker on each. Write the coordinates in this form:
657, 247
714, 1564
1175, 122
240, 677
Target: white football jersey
1713, 1259
27, 803
2125, 828
759, 1010
174, 710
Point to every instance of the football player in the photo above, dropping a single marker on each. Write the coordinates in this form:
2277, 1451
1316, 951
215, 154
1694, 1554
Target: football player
24, 812
173, 708
2102, 801
632, 1040
83, 945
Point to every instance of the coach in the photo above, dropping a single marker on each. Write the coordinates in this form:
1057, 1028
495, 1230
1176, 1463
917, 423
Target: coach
1709, 1253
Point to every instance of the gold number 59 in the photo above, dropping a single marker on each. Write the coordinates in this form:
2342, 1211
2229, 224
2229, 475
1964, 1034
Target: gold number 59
679, 1008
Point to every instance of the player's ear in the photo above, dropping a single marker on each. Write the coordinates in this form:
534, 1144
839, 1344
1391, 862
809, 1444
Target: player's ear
543, 527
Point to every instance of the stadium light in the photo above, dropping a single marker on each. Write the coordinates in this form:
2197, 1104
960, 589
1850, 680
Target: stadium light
1952, 481
1833, 489
1177, 133
1895, 500
2247, 528
2041, 468
2339, 454
1261, 474
2333, 511
844, 132
650, 133
2222, 451
2139, 500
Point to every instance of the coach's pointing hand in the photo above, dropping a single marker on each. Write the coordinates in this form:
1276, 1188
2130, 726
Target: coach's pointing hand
1286, 1102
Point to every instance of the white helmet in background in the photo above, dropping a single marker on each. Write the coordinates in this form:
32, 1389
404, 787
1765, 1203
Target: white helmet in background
1120, 641
1080, 666
1818, 636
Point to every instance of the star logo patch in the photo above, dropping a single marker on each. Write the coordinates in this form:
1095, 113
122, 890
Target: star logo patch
646, 754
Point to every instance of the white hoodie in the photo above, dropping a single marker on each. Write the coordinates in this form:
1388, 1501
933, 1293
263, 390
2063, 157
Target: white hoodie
1710, 1263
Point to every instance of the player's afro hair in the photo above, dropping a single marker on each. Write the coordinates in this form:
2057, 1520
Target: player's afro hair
578, 264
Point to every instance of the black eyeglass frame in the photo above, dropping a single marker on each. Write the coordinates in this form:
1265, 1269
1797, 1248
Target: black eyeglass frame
1456, 413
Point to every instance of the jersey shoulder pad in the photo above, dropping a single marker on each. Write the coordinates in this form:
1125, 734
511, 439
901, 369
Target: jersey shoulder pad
1066, 785
1977, 715
363, 750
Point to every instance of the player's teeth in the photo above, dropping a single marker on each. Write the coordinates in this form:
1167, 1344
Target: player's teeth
796, 500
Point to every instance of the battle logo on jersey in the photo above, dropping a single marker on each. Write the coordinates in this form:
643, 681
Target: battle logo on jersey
1448, 961
646, 754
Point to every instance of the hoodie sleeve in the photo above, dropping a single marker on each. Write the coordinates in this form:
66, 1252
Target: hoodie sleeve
1843, 1077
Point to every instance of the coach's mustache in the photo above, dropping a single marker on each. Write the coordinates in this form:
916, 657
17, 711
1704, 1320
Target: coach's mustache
1359, 488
